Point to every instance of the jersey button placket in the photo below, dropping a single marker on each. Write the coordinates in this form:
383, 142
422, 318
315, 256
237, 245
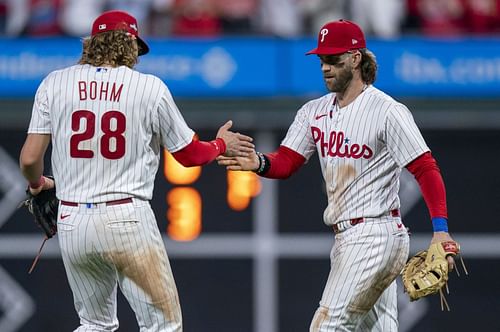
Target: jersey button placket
336, 115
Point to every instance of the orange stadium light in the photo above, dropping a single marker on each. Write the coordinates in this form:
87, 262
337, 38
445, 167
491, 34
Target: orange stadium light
183, 214
175, 173
241, 187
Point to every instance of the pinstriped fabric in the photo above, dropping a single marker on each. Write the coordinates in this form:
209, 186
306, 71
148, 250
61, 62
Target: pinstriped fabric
152, 120
360, 293
361, 148
383, 316
108, 126
105, 247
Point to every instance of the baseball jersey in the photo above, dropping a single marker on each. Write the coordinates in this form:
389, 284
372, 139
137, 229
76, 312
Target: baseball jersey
362, 148
107, 126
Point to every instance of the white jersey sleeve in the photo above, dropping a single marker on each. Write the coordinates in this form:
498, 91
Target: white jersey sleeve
40, 117
171, 126
403, 138
299, 137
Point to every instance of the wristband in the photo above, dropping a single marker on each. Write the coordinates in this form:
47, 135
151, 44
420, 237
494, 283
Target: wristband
264, 163
439, 224
221, 145
40, 182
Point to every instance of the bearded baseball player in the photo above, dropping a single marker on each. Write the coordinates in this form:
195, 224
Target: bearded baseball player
363, 138
108, 124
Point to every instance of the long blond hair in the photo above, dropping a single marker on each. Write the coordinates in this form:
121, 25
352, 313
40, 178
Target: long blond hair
114, 48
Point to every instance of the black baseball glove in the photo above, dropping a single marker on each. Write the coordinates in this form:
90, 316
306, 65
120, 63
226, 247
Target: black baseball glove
43, 207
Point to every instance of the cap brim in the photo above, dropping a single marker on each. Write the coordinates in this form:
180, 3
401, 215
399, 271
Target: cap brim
313, 51
143, 47
327, 51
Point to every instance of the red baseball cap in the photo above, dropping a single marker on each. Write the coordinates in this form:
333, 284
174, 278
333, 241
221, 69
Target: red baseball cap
338, 37
119, 20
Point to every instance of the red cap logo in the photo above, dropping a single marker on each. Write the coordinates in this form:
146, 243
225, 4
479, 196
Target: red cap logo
119, 20
338, 37
323, 33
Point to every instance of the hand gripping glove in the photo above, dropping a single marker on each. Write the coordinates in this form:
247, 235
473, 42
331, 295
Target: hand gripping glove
426, 273
43, 207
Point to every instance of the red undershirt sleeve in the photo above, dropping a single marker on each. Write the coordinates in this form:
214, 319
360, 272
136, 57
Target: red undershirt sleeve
199, 153
283, 163
428, 176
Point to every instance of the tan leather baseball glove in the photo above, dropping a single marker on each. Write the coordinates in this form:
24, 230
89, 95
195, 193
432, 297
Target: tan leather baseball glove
426, 273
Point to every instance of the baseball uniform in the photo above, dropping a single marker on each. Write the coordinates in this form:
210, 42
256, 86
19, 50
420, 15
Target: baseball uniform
108, 125
363, 138
361, 148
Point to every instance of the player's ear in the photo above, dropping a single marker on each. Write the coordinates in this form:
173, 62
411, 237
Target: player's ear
356, 58
355, 55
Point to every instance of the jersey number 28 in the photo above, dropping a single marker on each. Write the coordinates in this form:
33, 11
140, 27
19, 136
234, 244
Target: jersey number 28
108, 134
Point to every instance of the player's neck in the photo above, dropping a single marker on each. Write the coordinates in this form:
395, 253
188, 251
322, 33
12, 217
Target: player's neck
353, 90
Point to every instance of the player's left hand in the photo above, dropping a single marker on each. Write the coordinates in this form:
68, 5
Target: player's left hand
47, 183
426, 272
237, 145
444, 237
43, 204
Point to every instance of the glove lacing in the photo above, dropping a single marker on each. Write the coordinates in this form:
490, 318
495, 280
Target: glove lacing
444, 303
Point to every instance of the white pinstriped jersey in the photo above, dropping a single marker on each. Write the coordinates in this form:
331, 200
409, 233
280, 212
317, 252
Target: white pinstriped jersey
362, 148
107, 126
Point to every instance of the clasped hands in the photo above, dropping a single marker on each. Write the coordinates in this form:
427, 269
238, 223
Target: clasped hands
240, 151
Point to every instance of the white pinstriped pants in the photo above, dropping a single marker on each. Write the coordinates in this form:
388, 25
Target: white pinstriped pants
108, 246
360, 294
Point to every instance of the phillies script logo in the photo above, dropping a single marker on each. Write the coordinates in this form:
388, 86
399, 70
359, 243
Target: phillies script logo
337, 145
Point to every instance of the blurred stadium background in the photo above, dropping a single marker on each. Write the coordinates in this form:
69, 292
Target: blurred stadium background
251, 254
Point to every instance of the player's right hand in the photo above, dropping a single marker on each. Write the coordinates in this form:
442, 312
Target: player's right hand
237, 145
248, 163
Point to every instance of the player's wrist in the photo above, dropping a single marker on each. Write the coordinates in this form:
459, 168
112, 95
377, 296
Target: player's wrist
38, 183
221, 145
264, 163
439, 224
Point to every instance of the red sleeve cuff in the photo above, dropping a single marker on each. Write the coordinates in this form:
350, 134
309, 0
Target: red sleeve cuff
40, 182
428, 176
221, 145
199, 153
283, 163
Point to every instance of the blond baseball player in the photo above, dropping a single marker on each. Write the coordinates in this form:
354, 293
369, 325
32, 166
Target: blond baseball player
107, 124
363, 138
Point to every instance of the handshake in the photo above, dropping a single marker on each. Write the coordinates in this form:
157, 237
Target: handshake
240, 152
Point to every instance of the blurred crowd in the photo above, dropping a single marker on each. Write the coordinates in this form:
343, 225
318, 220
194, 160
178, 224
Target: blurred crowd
282, 18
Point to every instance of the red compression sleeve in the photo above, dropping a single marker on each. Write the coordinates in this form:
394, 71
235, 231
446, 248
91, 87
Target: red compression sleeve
199, 153
428, 176
284, 162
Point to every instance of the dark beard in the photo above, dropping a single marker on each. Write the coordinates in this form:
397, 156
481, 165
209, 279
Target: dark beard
342, 80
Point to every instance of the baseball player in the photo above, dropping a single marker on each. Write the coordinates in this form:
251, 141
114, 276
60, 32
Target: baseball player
107, 124
363, 138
